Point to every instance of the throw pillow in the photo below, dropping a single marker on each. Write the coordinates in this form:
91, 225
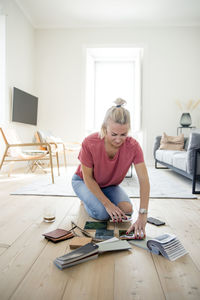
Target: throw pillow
172, 142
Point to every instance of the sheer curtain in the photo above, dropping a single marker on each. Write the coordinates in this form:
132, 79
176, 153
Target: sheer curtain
2, 67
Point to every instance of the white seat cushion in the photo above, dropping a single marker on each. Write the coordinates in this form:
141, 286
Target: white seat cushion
166, 155
179, 160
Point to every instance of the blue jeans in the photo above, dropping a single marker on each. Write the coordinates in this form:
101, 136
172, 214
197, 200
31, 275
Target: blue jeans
92, 205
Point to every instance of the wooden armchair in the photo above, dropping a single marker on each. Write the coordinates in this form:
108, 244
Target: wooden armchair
57, 145
14, 150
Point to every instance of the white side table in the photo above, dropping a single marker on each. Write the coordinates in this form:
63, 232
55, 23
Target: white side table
180, 128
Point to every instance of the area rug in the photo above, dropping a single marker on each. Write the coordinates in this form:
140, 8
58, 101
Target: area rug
164, 184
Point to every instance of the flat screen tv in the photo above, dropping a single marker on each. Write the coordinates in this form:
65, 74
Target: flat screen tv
24, 107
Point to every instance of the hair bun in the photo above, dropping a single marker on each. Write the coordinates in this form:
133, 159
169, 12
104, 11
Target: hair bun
120, 102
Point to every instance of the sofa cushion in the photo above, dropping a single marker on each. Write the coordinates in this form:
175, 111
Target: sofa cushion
159, 154
166, 155
194, 143
172, 142
180, 160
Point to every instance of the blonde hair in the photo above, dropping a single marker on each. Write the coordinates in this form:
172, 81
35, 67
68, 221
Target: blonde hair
117, 114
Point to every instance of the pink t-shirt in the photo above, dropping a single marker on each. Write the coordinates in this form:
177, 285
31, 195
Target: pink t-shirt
107, 171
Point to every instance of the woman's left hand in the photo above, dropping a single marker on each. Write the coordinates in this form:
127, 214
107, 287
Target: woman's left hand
139, 226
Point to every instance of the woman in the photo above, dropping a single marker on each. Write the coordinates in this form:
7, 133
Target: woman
105, 160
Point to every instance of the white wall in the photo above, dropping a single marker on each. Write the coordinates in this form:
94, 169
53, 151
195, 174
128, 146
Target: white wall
51, 64
20, 65
170, 71
20, 62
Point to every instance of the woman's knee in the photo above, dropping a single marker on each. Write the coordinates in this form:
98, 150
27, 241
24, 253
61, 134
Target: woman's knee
126, 207
92, 205
99, 213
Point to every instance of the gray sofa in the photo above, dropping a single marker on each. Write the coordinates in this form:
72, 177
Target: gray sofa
186, 162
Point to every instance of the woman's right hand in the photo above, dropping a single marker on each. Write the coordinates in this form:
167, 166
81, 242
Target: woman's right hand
115, 212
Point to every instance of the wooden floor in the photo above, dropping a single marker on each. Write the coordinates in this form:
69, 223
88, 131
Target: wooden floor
26, 258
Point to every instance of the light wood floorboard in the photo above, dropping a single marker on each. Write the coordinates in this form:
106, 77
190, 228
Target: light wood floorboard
26, 258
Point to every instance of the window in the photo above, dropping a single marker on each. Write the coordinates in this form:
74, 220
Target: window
112, 73
113, 79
